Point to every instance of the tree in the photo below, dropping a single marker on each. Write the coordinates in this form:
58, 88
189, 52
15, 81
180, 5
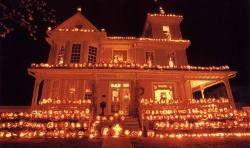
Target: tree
31, 15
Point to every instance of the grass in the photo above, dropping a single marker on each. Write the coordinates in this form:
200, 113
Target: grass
51, 143
136, 142
191, 143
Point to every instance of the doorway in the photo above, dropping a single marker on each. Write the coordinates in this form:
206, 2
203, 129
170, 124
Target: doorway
120, 97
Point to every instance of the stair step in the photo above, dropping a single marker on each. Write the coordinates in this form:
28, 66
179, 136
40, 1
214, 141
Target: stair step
130, 120
131, 123
131, 127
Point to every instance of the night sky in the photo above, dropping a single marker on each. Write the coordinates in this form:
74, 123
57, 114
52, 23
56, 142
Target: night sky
218, 31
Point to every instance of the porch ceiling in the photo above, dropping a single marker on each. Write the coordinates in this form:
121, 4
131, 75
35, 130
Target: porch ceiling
197, 77
196, 83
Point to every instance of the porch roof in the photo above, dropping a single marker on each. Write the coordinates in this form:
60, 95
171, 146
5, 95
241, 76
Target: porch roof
132, 74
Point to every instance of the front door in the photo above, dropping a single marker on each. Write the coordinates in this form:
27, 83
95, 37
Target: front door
120, 97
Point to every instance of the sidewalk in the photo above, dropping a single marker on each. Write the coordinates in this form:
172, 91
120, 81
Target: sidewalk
110, 142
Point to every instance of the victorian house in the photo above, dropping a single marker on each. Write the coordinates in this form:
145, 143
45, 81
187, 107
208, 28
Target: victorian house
85, 63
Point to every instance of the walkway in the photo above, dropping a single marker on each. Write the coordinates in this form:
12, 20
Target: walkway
110, 142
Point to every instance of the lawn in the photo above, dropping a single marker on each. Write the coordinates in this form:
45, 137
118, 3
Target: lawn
191, 143
51, 143
136, 142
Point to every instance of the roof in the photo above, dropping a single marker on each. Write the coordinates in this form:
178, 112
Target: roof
77, 21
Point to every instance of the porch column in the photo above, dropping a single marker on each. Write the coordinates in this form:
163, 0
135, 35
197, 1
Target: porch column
202, 92
134, 99
182, 89
35, 92
229, 92
188, 89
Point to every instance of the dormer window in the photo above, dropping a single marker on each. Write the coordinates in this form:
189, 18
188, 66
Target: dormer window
166, 32
79, 26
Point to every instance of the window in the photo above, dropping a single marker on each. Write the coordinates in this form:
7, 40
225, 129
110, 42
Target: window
92, 55
163, 92
171, 59
88, 94
120, 97
72, 89
119, 55
75, 55
166, 32
79, 26
149, 56
61, 55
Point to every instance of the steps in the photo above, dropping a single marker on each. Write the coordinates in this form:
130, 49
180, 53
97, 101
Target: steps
131, 123
130, 126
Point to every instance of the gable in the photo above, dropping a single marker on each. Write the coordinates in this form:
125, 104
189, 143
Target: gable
77, 21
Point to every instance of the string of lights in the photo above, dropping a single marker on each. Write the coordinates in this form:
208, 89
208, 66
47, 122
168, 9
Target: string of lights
129, 65
193, 118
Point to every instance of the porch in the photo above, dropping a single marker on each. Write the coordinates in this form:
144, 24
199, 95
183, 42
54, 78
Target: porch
121, 89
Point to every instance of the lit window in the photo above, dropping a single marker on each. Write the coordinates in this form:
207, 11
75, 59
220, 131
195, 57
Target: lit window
75, 55
125, 84
61, 55
149, 57
88, 94
171, 59
115, 95
92, 54
163, 92
115, 105
119, 55
72, 89
115, 85
120, 97
166, 32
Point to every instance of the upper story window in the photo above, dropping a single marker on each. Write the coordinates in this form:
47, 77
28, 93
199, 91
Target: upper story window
149, 56
61, 55
166, 32
79, 26
75, 54
92, 54
119, 55
171, 59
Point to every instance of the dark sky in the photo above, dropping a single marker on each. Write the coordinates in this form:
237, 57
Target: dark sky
218, 30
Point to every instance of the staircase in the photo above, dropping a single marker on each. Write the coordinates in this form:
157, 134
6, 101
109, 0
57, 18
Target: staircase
131, 123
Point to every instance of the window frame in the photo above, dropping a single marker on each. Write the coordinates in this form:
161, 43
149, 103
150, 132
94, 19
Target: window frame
165, 32
153, 56
61, 54
172, 84
92, 55
73, 58
172, 54
114, 50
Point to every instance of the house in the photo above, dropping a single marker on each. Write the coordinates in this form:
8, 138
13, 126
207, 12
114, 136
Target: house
85, 63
